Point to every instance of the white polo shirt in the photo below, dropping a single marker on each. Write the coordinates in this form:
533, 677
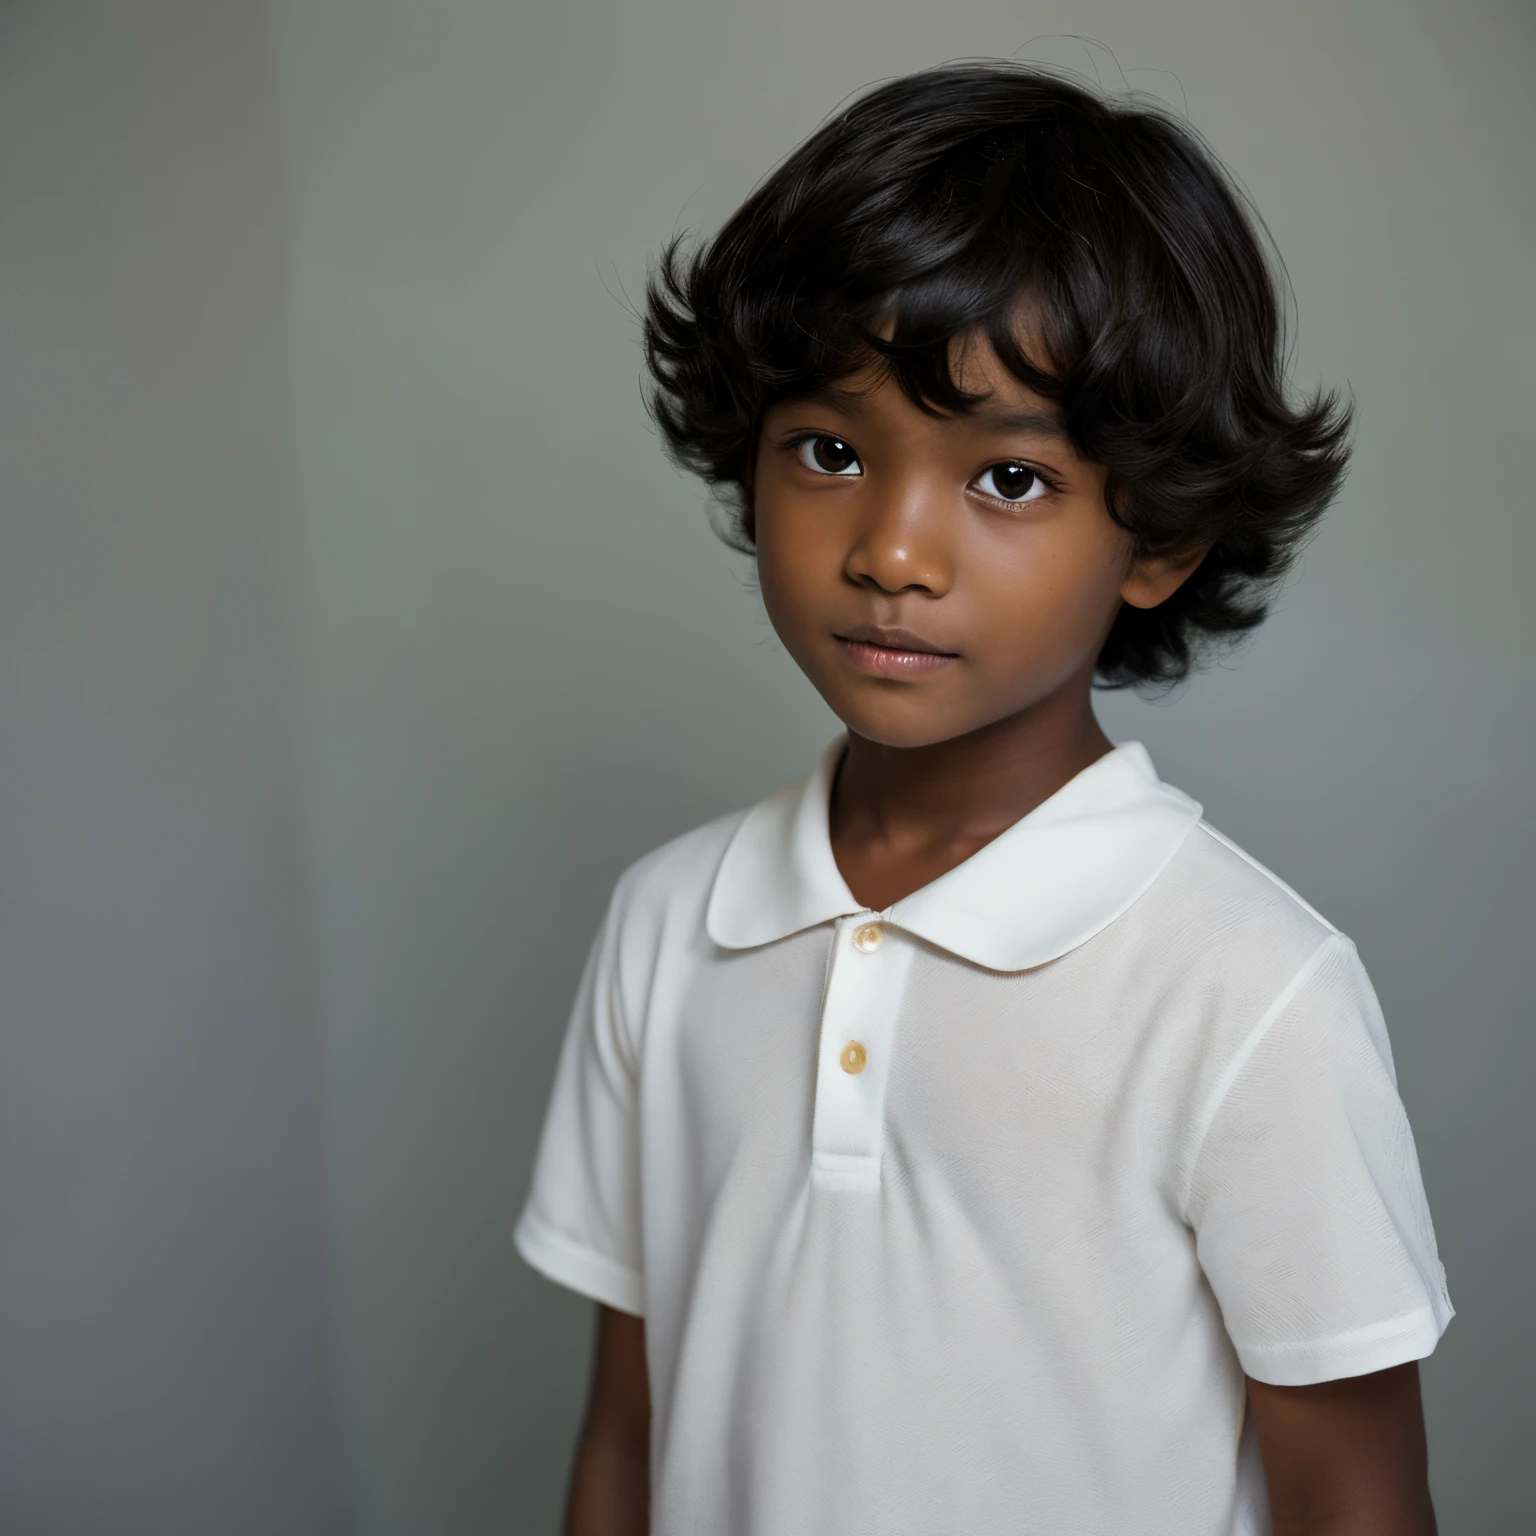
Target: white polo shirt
967, 1217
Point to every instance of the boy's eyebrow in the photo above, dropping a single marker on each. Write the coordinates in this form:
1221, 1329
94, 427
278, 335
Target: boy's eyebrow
1004, 419
833, 395
993, 418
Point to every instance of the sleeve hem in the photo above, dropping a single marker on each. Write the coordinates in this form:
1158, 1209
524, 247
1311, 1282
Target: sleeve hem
577, 1267
1356, 1353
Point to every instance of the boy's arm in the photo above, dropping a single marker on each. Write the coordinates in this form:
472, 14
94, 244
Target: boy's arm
1346, 1458
611, 1483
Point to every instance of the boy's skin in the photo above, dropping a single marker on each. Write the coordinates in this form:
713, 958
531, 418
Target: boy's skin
866, 574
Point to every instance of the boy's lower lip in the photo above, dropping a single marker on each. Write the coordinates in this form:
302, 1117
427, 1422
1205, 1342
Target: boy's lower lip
887, 661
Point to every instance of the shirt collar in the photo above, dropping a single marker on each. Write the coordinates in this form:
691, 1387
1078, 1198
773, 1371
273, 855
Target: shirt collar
1049, 883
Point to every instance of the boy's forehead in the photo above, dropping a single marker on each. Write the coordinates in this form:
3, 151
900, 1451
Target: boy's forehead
1005, 403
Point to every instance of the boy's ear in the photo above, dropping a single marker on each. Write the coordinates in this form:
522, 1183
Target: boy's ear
1153, 579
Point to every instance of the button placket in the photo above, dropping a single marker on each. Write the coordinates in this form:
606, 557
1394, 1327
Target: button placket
865, 983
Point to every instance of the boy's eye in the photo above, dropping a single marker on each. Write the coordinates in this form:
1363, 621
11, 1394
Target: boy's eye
1011, 482
828, 456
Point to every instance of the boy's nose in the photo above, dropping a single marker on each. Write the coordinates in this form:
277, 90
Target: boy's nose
902, 546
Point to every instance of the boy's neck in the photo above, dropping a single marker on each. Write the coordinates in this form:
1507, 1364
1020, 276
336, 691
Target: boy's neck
902, 816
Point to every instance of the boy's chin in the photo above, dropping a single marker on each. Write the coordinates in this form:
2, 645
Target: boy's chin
904, 729
910, 720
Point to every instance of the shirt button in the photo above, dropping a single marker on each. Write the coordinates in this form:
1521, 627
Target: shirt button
853, 1058
869, 938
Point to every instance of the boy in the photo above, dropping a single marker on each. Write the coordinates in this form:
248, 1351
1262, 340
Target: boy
968, 1139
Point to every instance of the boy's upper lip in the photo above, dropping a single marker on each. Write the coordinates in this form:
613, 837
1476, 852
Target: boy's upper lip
891, 638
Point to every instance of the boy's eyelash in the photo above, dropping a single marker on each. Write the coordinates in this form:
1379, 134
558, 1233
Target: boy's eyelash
792, 443
1050, 482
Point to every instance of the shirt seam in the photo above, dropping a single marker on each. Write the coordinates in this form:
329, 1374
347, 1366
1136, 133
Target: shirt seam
611, 966
1244, 1053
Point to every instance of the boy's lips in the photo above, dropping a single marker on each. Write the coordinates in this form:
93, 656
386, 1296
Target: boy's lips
888, 651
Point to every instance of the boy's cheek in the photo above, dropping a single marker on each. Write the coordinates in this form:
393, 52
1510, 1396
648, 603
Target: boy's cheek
792, 614
798, 578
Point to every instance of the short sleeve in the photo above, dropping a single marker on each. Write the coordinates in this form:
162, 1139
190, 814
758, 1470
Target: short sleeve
581, 1224
1305, 1197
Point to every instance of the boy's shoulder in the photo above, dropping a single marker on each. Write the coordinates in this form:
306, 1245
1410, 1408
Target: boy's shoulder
1241, 875
1215, 899
679, 873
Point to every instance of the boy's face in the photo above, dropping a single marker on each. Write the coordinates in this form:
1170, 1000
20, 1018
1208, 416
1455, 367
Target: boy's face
934, 575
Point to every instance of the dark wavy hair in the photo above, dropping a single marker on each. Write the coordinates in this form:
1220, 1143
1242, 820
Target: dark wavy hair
957, 200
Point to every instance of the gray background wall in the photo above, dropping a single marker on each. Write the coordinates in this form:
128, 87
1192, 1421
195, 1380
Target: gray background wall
354, 634
164, 1356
